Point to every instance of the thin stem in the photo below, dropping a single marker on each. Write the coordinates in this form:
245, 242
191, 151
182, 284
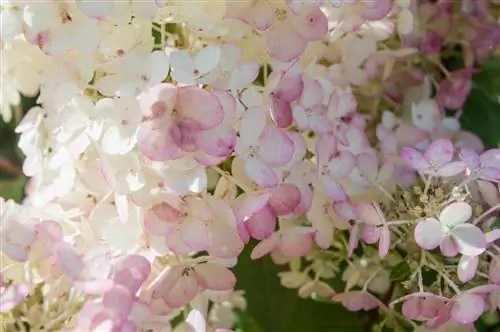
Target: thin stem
231, 178
427, 185
370, 279
399, 222
383, 190
491, 210
448, 280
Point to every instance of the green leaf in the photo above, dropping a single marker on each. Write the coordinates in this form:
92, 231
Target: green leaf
400, 272
13, 189
481, 113
277, 309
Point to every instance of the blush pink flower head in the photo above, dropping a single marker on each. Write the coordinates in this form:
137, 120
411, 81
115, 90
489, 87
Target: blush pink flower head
451, 232
436, 161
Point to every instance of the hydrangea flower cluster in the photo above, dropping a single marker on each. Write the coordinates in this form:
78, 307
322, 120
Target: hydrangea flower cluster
171, 134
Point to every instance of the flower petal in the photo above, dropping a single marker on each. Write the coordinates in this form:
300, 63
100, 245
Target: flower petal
467, 267
215, 277
283, 43
276, 148
428, 233
414, 159
439, 152
455, 213
467, 308
265, 246
470, 239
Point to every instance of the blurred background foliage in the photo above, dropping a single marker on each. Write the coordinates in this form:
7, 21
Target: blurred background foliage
271, 307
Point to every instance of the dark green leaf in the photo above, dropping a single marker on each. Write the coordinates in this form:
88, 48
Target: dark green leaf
13, 189
277, 309
482, 108
400, 272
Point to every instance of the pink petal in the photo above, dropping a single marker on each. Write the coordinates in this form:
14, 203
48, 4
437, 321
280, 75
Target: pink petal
324, 233
156, 144
412, 308
261, 173
320, 124
384, 242
371, 234
215, 277
367, 213
490, 174
195, 322
312, 93
160, 219
97, 10
119, 300
334, 190
281, 112
246, 206
159, 101
467, 267
439, 152
310, 25
375, 11
218, 142
295, 245
276, 148
262, 224
12, 295
414, 159
452, 169
470, 239
167, 279
342, 164
455, 213
200, 106
265, 246
467, 308
244, 74
68, 259
253, 124
283, 43
325, 148
133, 271
448, 246
195, 234
470, 157
368, 165
225, 241
182, 292
495, 271
284, 199
428, 233
353, 239
259, 15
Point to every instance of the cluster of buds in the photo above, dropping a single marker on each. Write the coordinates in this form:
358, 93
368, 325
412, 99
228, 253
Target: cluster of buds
168, 135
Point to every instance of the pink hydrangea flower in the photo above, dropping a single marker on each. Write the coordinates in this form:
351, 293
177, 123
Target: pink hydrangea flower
178, 117
358, 301
453, 90
286, 33
179, 284
333, 165
436, 161
262, 146
451, 232
291, 242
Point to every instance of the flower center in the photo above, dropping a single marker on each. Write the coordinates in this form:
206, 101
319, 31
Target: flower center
253, 151
280, 14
